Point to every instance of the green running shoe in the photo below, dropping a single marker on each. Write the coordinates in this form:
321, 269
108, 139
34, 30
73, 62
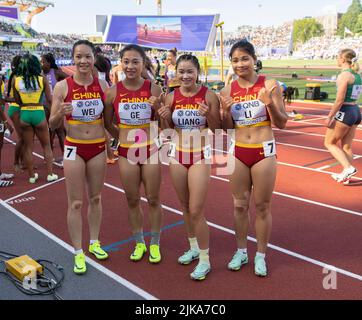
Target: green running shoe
188, 257
155, 254
239, 259
200, 272
138, 253
80, 266
97, 250
260, 267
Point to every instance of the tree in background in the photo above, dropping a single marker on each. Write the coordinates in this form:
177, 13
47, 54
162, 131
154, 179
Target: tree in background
350, 20
305, 29
359, 25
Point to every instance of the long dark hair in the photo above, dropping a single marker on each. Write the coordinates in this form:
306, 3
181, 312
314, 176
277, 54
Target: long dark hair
51, 60
29, 70
14, 67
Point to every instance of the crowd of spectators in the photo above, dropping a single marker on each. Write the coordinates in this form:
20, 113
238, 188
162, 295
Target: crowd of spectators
328, 47
8, 29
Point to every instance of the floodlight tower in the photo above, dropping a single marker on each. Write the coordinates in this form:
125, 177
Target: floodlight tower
159, 6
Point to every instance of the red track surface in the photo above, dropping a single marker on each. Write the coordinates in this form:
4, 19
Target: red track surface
312, 215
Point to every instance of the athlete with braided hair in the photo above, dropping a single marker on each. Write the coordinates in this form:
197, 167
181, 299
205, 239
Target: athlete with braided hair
29, 86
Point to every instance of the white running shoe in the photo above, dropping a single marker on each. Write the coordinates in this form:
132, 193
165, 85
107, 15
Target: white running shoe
345, 175
52, 177
7, 176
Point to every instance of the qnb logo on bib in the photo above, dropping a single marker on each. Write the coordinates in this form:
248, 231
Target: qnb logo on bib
188, 119
356, 92
249, 113
135, 114
87, 110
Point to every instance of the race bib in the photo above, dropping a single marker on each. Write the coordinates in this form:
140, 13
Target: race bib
340, 116
70, 153
158, 142
2, 128
172, 150
270, 149
87, 110
135, 114
232, 146
188, 119
207, 152
356, 92
249, 113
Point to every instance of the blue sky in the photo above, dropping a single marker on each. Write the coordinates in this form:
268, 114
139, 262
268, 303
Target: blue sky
78, 16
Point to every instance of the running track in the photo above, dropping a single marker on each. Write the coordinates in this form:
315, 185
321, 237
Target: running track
317, 223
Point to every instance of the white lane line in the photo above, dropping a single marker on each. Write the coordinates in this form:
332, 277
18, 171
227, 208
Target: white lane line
307, 133
313, 119
271, 246
359, 128
94, 264
35, 154
320, 170
34, 190
335, 164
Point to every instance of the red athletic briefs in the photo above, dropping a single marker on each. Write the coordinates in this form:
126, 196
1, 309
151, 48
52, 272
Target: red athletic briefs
251, 155
87, 151
138, 155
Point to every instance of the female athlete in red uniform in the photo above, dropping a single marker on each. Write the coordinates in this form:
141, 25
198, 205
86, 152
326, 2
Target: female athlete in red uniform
80, 99
192, 110
250, 105
134, 101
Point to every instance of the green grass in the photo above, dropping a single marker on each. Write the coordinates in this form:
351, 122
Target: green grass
298, 63
283, 69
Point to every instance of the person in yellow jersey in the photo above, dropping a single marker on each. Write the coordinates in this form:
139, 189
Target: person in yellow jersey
29, 86
14, 115
251, 104
79, 99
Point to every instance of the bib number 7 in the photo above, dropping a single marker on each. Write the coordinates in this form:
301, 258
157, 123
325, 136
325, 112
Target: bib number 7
270, 149
70, 153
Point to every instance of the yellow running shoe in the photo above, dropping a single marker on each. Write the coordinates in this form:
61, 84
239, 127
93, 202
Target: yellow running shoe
80, 266
97, 250
155, 254
138, 253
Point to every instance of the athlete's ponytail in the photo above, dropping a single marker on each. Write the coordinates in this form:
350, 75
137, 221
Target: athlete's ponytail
14, 67
29, 70
351, 58
355, 65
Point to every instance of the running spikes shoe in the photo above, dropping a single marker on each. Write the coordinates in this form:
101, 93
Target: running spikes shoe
34, 179
80, 266
238, 260
155, 254
52, 177
97, 250
260, 267
138, 253
188, 257
200, 272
